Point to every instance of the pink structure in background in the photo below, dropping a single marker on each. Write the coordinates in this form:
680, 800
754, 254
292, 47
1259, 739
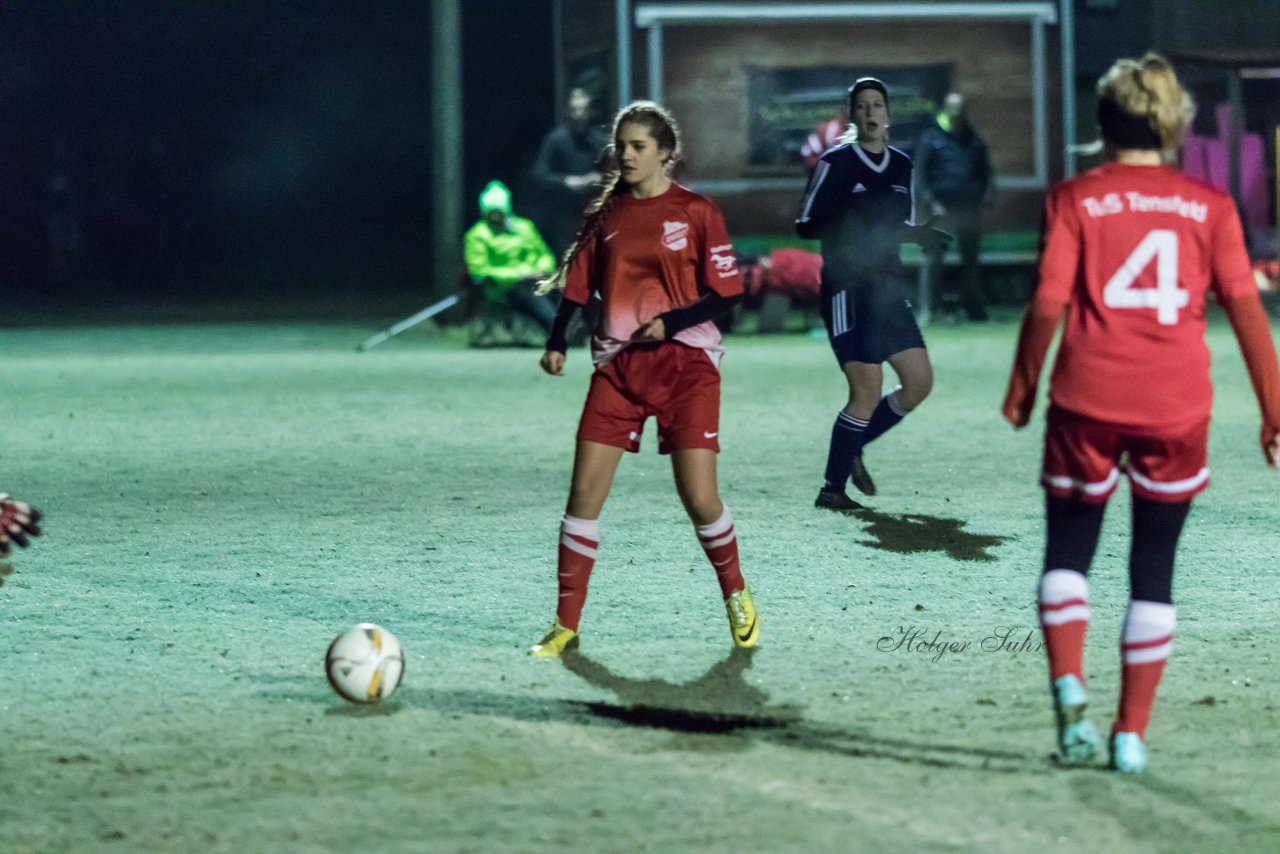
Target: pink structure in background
1206, 158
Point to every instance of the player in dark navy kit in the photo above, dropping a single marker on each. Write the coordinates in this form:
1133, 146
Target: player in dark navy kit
860, 204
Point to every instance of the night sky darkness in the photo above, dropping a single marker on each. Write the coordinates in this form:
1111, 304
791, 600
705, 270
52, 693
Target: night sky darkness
178, 152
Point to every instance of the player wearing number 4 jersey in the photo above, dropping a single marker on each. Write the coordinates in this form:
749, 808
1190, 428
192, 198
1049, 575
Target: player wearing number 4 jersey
660, 259
1130, 252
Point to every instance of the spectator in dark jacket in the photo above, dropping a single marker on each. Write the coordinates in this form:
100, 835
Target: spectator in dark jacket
953, 180
567, 170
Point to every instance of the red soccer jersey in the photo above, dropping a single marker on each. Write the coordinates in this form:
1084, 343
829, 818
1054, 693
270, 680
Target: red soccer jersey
1134, 250
650, 256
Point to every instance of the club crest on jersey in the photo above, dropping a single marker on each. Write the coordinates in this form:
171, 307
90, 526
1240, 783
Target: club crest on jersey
675, 235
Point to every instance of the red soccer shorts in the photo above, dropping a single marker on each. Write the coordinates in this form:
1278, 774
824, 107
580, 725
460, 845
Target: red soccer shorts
677, 384
1083, 459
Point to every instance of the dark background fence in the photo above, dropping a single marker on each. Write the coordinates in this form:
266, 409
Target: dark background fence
178, 153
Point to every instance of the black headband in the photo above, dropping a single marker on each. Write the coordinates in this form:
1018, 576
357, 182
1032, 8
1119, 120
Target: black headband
1123, 129
863, 83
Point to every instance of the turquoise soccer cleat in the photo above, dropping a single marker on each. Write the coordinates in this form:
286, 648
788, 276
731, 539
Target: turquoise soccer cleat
1078, 738
1128, 753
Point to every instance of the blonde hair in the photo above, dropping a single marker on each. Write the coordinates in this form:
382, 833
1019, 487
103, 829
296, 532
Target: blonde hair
665, 132
1149, 88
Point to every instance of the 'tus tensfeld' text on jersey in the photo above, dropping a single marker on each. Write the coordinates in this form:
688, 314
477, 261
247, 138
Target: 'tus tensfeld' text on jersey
1133, 350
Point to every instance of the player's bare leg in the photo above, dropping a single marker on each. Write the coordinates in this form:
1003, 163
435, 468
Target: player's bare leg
916, 375
594, 466
865, 381
695, 476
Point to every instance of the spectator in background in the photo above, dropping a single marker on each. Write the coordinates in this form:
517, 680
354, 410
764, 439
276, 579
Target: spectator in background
506, 256
953, 180
567, 170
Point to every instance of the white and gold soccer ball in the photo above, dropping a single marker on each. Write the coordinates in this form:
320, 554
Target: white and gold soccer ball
364, 664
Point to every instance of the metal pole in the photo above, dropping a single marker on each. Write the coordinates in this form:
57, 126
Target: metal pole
622, 15
410, 322
1235, 132
1039, 109
557, 51
446, 160
1067, 36
655, 63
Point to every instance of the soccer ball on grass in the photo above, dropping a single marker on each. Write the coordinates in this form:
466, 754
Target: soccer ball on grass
365, 663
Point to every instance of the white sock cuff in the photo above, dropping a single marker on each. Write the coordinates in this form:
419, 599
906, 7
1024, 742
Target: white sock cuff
718, 527
1063, 597
1148, 621
895, 403
589, 528
1147, 636
1060, 585
847, 421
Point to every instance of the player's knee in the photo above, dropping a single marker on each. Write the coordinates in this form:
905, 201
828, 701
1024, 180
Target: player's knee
586, 498
914, 390
703, 505
862, 394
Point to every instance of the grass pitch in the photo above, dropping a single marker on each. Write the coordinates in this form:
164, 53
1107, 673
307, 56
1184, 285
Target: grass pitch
222, 501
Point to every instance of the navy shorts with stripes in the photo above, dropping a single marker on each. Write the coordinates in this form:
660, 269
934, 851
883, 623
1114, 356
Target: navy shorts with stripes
869, 324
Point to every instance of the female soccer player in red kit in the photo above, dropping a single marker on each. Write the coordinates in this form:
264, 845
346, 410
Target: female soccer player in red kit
1130, 250
660, 259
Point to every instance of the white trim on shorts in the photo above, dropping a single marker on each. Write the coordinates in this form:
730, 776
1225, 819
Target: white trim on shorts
1187, 484
1101, 487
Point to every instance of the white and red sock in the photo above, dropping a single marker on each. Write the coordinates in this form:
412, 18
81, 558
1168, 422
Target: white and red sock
579, 540
721, 545
1145, 644
1064, 619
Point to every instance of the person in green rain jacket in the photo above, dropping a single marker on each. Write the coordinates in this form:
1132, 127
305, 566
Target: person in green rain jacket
506, 256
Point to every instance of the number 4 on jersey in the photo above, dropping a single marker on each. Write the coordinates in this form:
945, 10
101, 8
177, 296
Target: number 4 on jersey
1166, 297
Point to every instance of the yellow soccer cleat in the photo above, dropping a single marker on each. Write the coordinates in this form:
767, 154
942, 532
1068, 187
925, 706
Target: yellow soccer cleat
558, 640
744, 625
